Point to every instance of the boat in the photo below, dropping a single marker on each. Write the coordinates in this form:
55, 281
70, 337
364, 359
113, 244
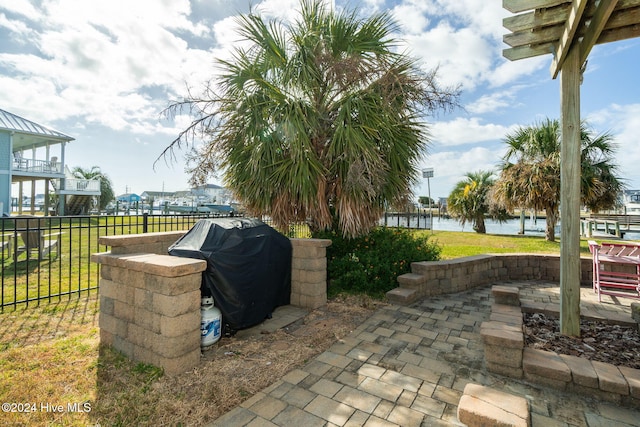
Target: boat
222, 209
188, 209
632, 202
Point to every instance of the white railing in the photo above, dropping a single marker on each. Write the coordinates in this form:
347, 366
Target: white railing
73, 184
36, 166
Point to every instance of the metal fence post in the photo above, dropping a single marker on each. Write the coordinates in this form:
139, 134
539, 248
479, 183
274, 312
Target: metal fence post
145, 222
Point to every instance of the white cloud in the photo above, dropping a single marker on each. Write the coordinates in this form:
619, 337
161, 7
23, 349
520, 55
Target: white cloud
461, 56
16, 27
623, 121
485, 18
93, 58
21, 7
412, 16
507, 72
463, 38
491, 102
374, 6
461, 131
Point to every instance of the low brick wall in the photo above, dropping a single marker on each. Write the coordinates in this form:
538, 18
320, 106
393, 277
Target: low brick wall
430, 278
506, 354
150, 301
308, 264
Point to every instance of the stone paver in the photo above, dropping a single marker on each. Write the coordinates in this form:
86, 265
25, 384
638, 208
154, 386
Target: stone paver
408, 366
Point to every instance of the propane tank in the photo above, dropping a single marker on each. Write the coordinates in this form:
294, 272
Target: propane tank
210, 324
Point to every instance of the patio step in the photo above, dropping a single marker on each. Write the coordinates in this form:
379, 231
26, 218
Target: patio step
484, 406
507, 295
402, 296
411, 280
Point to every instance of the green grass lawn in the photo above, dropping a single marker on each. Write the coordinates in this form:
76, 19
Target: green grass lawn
456, 244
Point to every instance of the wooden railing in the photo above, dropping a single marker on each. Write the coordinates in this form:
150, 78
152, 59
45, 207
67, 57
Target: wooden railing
591, 226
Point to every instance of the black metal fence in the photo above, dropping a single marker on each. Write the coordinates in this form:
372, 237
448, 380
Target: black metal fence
48, 258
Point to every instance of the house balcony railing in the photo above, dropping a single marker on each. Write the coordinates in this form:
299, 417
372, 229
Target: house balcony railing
89, 185
36, 166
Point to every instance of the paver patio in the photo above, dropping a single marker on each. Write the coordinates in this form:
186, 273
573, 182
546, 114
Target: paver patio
408, 366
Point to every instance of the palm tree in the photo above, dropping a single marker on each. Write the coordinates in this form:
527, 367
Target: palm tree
318, 120
469, 201
106, 187
530, 171
600, 186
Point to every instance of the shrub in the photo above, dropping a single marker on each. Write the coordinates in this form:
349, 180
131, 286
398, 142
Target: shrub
371, 264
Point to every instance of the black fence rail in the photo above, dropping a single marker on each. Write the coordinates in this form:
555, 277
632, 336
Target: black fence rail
48, 258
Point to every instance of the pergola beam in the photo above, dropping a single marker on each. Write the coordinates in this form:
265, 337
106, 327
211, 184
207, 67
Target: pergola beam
629, 32
533, 20
539, 31
550, 31
527, 51
517, 6
604, 9
567, 39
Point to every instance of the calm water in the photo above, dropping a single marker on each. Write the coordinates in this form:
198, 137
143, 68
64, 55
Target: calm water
511, 227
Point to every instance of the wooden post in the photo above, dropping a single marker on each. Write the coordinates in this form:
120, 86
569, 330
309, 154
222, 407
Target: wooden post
570, 195
46, 197
33, 197
20, 199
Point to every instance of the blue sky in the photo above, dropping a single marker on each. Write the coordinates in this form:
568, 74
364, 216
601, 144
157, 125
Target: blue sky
103, 71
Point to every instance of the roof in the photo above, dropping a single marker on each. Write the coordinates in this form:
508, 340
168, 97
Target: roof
552, 26
28, 134
128, 197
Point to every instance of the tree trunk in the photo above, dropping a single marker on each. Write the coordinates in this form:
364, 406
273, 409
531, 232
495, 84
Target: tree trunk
479, 226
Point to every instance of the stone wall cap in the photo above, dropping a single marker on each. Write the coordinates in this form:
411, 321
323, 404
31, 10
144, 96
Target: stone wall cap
136, 239
160, 265
322, 243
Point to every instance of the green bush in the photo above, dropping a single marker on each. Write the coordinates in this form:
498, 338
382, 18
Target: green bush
371, 264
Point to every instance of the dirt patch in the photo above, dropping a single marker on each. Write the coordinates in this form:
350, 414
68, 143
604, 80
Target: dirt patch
237, 368
603, 342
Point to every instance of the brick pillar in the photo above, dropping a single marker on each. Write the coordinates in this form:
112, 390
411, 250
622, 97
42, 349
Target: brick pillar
150, 308
309, 272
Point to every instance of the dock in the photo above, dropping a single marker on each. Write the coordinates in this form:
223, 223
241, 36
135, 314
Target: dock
609, 226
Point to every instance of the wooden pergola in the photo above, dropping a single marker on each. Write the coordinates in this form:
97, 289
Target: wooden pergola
568, 30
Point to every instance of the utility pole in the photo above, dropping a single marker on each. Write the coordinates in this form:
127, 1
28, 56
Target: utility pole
428, 173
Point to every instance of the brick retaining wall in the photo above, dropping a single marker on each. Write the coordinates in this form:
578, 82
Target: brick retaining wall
150, 301
506, 354
430, 278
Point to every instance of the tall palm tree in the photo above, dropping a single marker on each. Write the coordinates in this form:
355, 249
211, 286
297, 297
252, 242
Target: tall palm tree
469, 201
106, 186
530, 171
319, 120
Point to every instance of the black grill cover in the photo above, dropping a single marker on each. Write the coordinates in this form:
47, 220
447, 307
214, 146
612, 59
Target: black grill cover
248, 267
